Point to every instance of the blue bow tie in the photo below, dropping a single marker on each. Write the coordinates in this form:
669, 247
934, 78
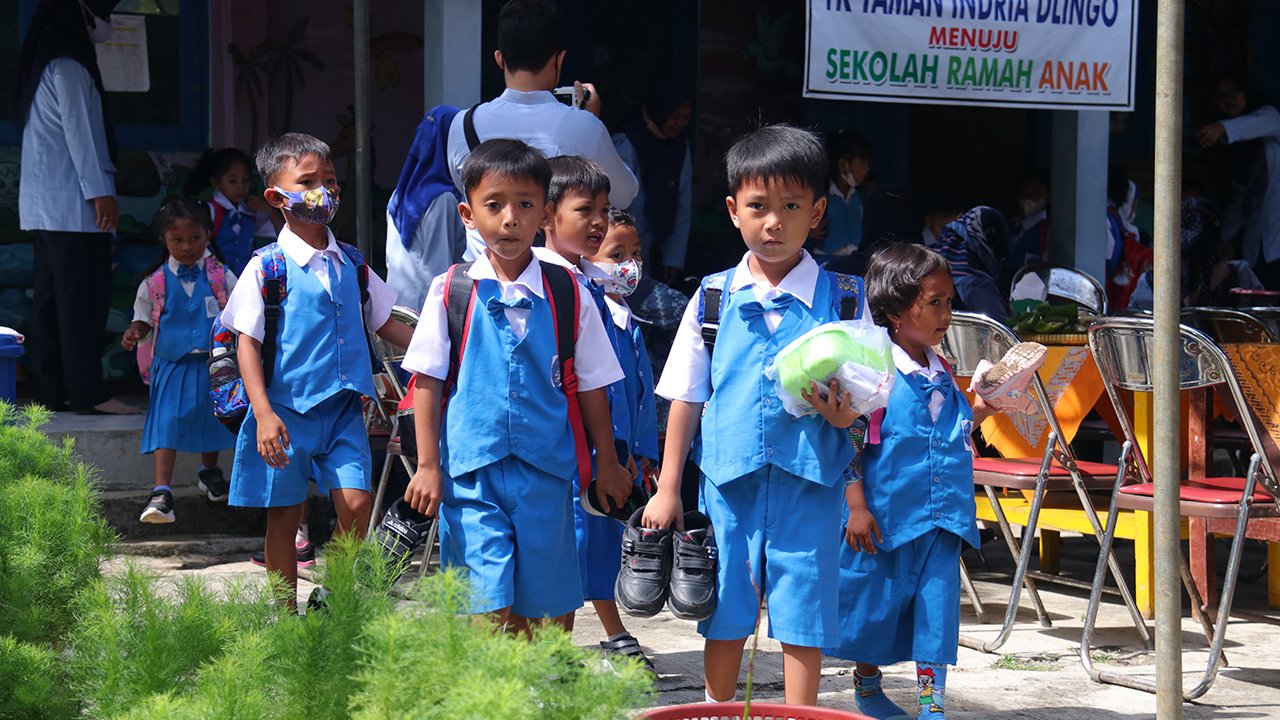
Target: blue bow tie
497, 306
929, 387
753, 309
188, 273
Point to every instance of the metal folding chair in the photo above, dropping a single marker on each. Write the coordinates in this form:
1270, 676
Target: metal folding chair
1122, 348
969, 339
1063, 283
392, 391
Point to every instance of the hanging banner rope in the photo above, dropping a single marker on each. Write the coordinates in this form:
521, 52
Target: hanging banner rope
1055, 54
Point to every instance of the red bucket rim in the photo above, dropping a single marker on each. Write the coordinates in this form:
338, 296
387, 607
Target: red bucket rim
777, 711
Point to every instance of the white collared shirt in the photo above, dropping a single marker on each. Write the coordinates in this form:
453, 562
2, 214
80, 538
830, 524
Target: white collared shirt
262, 226
907, 366
243, 313
142, 299
428, 352
687, 375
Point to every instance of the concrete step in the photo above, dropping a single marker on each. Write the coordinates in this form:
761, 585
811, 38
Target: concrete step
195, 514
193, 550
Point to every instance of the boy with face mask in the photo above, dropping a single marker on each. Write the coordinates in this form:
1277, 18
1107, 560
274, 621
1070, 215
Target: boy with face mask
850, 155
307, 421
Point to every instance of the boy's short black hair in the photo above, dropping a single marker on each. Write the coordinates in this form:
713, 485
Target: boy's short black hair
1032, 175
530, 33
277, 152
578, 175
894, 276
778, 153
620, 218
507, 158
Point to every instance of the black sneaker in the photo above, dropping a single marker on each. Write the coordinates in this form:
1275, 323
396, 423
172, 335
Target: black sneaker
306, 556
641, 587
318, 599
693, 572
159, 510
401, 531
214, 484
627, 646
591, 503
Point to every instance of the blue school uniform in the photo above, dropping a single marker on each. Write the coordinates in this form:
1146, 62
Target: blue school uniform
510, 464
635, 431
771, 483
321, 370
902, 603
235, 239
844, 222
180, 416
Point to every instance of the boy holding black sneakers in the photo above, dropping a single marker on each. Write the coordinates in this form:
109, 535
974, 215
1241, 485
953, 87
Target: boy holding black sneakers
772, 484
502, 472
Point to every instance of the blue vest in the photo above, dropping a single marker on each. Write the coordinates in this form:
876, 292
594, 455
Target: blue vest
507, 399
844, 222
235, 239
184, 324
321, 345
920, 476
744, 426
631, 402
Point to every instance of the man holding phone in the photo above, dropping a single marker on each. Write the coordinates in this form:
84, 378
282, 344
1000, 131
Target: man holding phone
531, 50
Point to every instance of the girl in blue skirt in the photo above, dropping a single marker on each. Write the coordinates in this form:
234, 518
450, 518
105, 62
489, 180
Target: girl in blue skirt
172, 315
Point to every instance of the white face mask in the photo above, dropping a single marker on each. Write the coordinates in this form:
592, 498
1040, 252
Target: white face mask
624, 277
101, 30
849, 179
1031, 207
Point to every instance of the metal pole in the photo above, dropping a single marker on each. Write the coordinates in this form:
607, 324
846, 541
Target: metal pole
1168, 293
363, 169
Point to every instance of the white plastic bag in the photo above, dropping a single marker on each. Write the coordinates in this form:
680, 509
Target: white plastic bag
855, 353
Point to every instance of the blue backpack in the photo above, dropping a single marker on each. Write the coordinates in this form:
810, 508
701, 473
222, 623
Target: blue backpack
226, 386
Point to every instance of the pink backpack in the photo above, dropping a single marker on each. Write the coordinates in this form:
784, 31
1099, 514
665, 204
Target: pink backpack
214, 271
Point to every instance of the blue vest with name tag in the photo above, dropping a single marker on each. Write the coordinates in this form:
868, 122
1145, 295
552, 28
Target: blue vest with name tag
185, 322
631, 402
744, 426
507, 399
920, 476
322, 349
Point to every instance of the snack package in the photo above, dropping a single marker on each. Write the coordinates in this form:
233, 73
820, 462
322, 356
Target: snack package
856, 354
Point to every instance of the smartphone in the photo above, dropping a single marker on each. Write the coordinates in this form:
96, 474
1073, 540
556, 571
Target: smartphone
567, 96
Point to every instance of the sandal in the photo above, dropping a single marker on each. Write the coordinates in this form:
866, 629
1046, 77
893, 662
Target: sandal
627, 646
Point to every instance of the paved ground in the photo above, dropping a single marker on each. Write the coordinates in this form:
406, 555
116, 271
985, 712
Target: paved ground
1037, 674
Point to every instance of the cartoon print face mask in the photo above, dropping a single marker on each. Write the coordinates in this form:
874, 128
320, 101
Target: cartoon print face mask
624, 277
316, 206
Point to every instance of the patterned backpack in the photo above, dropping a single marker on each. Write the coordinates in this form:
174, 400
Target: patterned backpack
214, 271
226, 386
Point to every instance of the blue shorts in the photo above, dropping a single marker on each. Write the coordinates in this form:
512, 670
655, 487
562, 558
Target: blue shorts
901, 604
327, 444
784, 531
510, 525
599, 552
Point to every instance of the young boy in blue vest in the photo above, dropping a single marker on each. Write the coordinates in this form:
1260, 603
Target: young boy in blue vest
309, 423
498, 461
579, 223
772, 484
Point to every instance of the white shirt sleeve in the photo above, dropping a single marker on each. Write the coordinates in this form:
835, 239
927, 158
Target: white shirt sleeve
428, 351
1263, 122
687, 374
142, 304
243, 313
381, 298
594, 361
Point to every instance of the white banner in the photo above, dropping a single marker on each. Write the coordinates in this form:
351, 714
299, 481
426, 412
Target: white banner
1058, 54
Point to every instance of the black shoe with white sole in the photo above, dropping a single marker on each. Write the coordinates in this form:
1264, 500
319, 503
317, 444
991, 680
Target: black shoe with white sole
213, 484
159, 510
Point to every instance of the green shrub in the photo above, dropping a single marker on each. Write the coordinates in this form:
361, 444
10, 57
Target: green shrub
52, 537
32, 683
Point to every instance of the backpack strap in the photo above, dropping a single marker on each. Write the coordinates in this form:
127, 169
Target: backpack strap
216, 273
459, 300
563, 293
219, 217
146, 347
469, 128
850, 289
362, 269
711, 299
274, 291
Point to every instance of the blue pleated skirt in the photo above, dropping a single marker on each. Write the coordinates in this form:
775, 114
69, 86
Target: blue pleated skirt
180, 416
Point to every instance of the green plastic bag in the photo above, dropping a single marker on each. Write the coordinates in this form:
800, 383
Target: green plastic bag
856, 354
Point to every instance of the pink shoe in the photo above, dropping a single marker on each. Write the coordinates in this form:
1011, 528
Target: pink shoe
1005, 385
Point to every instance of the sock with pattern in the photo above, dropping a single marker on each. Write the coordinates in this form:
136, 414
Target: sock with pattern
931, 681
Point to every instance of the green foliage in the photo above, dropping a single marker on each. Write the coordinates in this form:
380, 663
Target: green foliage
361, 656
32, 684
52, 536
